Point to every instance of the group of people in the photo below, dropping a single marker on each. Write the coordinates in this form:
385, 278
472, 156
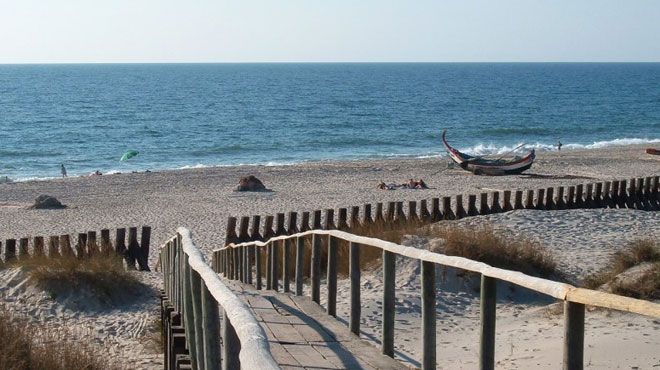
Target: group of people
411, 184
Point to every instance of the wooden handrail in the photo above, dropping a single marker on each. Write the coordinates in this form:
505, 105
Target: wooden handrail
196, 291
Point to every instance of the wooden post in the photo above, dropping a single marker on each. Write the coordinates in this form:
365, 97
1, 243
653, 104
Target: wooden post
518, 204
65, 245
488, 305
472, 205
435, 209
540, 195
447, 213
342, 218
495, 203
424, 213
92, 247
483, 204
38, 246
286, 264
387, 340
332, 276
23, 252
607, 195
598, 194
316, 268
412, 211
304, 223
54, 246
269, 265
366, 218
579, 196
355, 217
254, 230
354, 272
631, 199
120, 241
573, 336
133, 247
300, 255
507, 200
257, 265
237, 263
639, 195
623, 196
614, 194
10, 250
145, 241
105, 245
81, 245
460, 210
232, 345
391, 209
559, 201
378, 218
211, 330
529, 200
549, 198
589, 196
428, 315
231, 236
570, 197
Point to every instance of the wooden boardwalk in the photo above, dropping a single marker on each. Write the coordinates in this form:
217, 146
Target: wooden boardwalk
303, 336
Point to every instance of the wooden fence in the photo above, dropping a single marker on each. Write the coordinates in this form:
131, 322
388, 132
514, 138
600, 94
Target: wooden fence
235, 261
197, 333
86, 245
637, 193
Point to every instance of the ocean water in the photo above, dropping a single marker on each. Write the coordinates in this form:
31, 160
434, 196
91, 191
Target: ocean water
193, 115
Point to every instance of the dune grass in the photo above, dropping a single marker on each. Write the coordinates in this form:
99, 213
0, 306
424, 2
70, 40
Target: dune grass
636, 252
483, 244
103, 275
23, 347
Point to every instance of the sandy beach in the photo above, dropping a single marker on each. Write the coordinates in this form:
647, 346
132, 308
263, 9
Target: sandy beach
529, 335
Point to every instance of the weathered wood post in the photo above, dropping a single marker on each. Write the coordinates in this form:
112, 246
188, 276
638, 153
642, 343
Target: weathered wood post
472, 205
447, 213
244, 236
623, 195
559, 201
54, 246
23, 252
65, 245
120, 241
286, 253
332, 276
232, 345
399, 215
424, 212
81, 245
639, 193
460, 210
607, 194
529, 200
412, 212
300, 254
366, 217
342, 219
540, 197
257, 266
483, 204
436, 214
598, 195
133, 247
379, 217
519, 200
488, 306
573, 336
105, 245
579, 196
550, 199
268, 233
495, 202
387, 340
92, 247
316, 260
354, 274
631, 200
570, 197
211, 331
391, 210
145, 241
589, 196
614, 194
507, 200
428, 315
10, 250
355, 217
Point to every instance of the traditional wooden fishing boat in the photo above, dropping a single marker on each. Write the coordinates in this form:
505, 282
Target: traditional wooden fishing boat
493, 167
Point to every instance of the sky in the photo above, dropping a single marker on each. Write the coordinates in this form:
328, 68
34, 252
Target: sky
162, 31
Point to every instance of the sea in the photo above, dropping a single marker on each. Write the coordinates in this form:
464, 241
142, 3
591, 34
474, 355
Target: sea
86, 116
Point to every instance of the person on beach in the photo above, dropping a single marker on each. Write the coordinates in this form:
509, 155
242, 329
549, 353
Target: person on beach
63, 170
559, 144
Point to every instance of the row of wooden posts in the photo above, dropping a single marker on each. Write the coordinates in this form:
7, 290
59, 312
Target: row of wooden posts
637, 193
86, 245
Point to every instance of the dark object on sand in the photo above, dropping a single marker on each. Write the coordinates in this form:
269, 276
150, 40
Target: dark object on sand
653, 151
47, 202
493, 167
250, 183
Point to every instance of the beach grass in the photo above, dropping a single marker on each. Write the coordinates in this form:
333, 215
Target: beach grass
635, 253
24, 347
102, 275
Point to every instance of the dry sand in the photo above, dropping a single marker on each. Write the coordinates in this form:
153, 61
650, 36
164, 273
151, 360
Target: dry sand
202, 199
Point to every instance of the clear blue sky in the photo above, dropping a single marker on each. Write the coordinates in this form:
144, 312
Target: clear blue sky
61, 31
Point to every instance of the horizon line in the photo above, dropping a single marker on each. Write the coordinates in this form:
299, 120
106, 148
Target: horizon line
333, 62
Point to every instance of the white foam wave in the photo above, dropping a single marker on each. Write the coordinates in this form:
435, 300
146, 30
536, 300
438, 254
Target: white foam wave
484, 149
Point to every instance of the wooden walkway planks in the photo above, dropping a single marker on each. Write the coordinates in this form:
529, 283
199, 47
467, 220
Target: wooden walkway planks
302, 335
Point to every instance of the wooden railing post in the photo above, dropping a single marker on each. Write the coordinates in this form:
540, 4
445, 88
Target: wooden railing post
472, 205
257, 266
573, 336
120, 241
54, 246
133, 246
38, 246
143, 256
495, 206
387, 340
81, 245
300, 255
483, 204
23, 252
518, 204
436, 214
232, 346
211, 325
332, 276
540, 198
559, 201
428, 315
507, 200
354, 272
488, 305
529, 200
316, 268
10, 250
447, 213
